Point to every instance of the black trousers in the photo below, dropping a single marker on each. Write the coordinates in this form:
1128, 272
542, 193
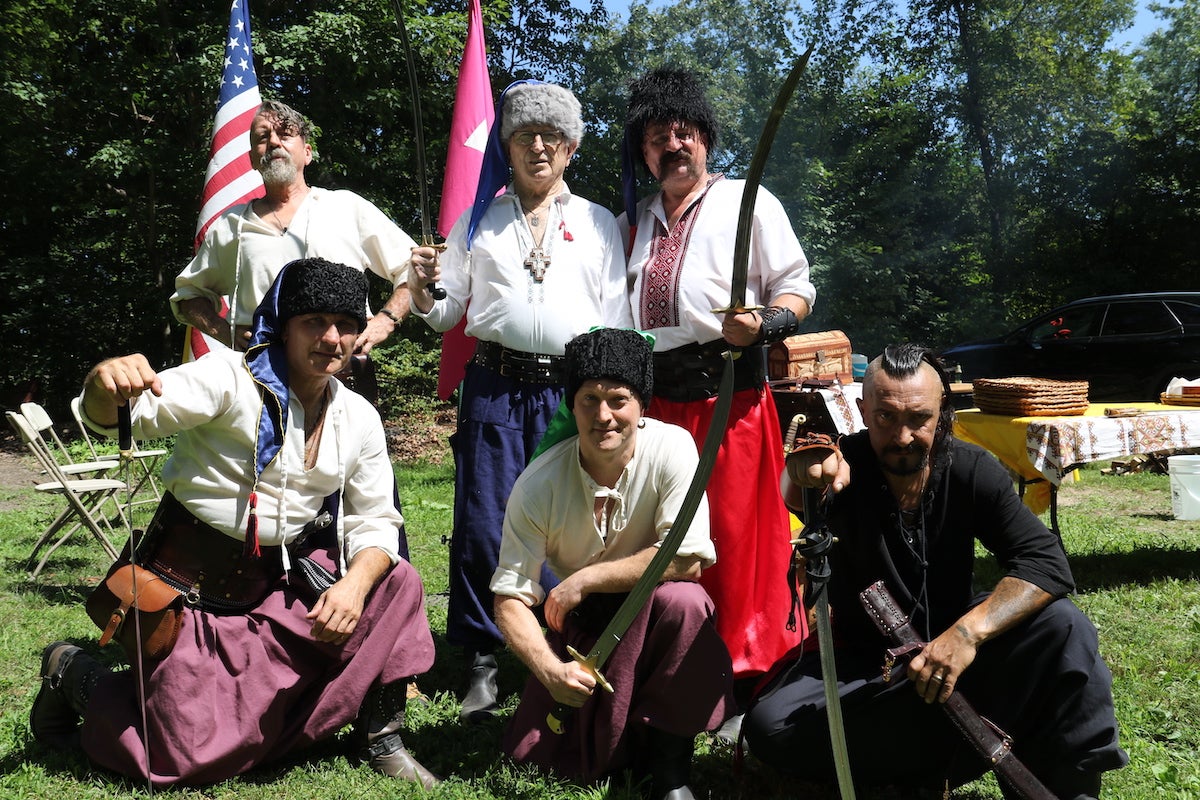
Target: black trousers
1043, 682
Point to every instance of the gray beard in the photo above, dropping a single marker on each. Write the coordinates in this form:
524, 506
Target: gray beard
279, 172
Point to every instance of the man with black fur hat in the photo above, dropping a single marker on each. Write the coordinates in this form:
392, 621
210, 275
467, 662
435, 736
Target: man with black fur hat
528, 269
280, 527
593, 508
680, 269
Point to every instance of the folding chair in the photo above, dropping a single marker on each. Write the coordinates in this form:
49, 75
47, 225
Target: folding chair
43, 426
83, 497
147, 460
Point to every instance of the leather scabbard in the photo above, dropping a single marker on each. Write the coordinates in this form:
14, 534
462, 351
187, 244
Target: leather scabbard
988, 740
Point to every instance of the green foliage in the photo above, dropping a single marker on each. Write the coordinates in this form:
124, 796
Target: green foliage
406, 368
949, 167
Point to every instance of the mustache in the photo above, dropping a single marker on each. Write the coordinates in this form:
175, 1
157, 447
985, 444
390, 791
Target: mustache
913, 449
670, 158
270, 154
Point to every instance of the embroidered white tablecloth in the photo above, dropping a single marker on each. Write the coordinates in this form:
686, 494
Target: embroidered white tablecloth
1056, 445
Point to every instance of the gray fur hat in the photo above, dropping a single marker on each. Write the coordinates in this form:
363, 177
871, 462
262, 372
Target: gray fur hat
541, 104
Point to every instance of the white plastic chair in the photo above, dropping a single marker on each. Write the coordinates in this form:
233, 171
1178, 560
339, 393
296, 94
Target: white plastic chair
43, 426
83, 496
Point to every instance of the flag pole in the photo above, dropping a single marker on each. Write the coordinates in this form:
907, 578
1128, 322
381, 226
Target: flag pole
230, 178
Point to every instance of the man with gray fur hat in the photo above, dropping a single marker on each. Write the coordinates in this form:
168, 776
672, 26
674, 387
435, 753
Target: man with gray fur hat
529, 270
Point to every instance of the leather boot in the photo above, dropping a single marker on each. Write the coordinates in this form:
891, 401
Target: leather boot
480, 703
670, 762
68, 677
379, 723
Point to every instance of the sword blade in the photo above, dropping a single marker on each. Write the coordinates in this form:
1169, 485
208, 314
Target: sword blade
758, 163
418, 141
814, 519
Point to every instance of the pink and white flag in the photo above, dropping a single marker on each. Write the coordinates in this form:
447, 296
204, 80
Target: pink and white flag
474, 112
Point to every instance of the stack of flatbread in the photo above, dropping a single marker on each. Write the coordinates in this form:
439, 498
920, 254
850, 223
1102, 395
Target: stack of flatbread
1031, 397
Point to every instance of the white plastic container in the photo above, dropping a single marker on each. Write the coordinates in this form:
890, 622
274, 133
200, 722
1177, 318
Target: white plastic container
1185, 486
858, 365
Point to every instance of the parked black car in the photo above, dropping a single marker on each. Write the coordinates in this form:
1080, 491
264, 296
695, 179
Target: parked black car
1128, 347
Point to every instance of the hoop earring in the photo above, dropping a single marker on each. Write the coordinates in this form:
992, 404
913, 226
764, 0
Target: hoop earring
641, 422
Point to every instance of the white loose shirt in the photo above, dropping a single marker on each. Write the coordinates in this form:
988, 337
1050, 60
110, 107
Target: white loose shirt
584, 286
212, 407
550, 516
243, 253
703, 279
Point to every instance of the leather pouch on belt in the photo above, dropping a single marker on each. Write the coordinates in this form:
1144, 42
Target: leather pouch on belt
159, 608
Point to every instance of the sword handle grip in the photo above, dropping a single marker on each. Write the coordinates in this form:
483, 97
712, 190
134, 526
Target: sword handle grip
561, 713
557, 718
124, 430
435, 291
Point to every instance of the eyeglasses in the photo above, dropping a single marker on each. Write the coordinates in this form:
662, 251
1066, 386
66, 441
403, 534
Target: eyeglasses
682, 133
549, 138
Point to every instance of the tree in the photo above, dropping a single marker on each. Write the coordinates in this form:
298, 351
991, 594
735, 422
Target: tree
107, 108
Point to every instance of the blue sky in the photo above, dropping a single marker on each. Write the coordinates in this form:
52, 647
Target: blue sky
1145, 23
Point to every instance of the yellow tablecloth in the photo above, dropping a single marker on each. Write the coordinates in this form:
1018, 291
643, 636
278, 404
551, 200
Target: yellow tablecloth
1051, 448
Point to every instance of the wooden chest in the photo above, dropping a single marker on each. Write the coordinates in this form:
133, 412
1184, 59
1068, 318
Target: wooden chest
824, 356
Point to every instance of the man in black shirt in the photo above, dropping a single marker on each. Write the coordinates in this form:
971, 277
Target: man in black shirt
907, 503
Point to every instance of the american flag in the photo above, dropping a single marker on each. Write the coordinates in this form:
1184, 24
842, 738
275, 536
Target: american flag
230, 179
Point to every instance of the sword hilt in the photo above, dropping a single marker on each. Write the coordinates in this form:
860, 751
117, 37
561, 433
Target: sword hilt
435, 291
561, 712
124, 431
736, 309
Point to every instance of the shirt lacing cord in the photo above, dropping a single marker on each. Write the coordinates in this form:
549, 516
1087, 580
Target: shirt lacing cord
618, 511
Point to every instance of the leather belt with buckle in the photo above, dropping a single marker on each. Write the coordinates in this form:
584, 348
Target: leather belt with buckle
519, 365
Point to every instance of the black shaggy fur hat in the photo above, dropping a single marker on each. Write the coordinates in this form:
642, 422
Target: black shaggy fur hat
669, 95
314, 285
615, 354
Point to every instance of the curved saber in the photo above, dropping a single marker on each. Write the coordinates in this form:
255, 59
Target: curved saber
814, 534
436, 291
741, 244
640, 594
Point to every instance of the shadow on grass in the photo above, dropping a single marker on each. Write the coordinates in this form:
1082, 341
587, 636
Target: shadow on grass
1142, 565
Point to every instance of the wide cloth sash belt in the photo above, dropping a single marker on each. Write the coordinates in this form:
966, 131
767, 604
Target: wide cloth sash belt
693, 372
208, 567
519, 365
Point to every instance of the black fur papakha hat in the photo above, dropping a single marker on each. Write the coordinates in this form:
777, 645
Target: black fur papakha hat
614, 354
314, 285
669, 95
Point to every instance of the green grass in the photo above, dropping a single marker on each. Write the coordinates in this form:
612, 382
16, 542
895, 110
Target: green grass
1135, 566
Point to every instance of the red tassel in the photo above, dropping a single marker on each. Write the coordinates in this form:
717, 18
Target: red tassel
251, 548
562, 226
